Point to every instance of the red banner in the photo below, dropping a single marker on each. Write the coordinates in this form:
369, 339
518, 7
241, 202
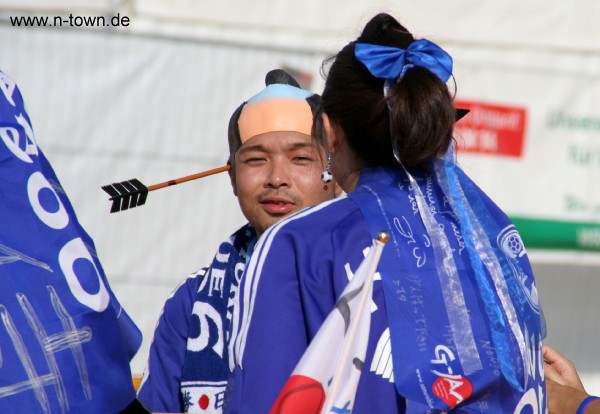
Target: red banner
491, 129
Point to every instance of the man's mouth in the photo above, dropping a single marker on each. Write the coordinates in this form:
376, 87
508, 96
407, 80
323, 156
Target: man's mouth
277, 206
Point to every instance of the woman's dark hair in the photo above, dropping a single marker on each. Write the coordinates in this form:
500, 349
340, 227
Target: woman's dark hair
421, 115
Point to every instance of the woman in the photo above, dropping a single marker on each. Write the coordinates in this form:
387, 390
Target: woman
456, 297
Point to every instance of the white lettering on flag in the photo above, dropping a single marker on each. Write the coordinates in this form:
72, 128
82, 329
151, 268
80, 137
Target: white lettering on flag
71, 252
56, 220
7, 86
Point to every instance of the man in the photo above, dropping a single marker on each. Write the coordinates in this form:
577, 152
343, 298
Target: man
275, 171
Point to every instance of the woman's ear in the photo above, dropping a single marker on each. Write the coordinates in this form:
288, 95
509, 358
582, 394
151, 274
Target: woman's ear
331, 133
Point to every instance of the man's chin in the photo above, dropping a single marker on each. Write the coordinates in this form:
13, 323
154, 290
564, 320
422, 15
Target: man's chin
276, 218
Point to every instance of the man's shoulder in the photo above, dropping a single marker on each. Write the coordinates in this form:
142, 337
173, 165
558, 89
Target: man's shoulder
182, 297
191, 282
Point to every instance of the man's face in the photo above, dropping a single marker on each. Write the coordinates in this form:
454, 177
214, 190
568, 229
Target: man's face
276, 174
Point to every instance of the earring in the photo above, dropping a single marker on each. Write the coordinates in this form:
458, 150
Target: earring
326, 175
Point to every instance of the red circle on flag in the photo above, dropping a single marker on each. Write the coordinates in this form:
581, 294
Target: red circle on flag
300, 395
203, 401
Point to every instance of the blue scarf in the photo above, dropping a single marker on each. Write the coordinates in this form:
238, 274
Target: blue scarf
206, 365
454, 262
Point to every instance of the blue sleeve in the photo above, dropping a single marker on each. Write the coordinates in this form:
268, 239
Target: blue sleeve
159, 390
296, 288
278, 321
284, 318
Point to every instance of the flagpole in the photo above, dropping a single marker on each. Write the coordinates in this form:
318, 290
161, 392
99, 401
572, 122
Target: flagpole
382, 238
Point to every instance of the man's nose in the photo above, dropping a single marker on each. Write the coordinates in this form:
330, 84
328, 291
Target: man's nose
279, 175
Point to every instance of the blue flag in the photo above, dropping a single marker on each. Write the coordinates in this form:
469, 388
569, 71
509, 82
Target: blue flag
65, 342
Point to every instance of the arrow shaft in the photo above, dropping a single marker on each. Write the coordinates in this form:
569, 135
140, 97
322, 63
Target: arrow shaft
189, 178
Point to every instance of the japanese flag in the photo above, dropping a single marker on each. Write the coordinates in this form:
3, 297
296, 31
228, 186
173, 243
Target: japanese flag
326, 378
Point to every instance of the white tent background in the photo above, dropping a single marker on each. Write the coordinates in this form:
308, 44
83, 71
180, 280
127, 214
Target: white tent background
151, 100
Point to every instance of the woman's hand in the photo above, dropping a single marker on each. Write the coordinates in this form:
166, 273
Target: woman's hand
559, 369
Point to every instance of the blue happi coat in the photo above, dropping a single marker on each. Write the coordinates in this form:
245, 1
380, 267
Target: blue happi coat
65, 341
448, 332
189, 362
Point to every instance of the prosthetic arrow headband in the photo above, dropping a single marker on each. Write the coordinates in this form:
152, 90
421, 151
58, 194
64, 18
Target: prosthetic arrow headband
281, 106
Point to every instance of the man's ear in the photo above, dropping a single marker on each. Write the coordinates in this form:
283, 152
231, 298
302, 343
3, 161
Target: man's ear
231, 173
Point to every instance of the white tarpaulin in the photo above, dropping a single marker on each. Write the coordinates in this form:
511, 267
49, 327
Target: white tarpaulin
150, 96
532, 112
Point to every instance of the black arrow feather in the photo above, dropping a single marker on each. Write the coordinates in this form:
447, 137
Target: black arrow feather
126, 194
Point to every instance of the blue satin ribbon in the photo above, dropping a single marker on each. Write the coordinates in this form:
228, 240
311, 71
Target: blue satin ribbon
388, 62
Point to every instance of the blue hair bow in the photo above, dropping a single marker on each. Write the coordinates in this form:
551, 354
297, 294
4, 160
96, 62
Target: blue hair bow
390, 62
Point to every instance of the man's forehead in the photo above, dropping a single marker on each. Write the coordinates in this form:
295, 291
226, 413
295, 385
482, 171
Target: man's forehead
278, 141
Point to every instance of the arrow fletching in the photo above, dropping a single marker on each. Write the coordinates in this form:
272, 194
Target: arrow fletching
126, 194
132, 193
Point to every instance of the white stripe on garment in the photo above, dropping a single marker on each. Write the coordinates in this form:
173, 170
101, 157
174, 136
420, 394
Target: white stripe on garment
382, 363
252, 277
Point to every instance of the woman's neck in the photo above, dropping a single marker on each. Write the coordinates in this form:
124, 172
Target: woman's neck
346, 168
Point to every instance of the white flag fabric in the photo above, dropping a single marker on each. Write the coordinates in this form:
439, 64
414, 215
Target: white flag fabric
326, 378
